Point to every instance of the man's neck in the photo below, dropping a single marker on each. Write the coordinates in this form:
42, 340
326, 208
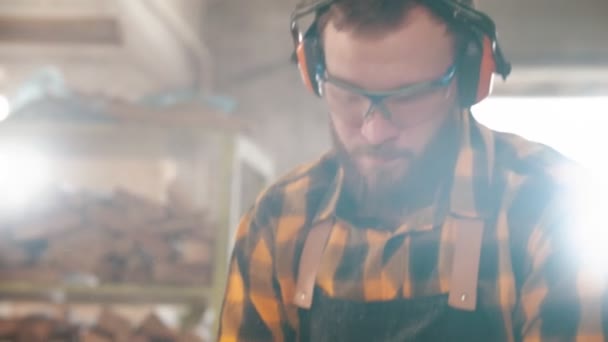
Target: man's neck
390, 211
426, 182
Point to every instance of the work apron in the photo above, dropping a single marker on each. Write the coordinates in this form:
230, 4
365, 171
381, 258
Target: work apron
455, 316
418, 320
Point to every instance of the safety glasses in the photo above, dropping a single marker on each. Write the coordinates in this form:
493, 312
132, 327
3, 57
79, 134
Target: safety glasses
403, 106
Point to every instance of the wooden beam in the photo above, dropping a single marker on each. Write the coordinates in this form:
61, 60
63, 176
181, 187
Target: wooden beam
83, 30
107, 293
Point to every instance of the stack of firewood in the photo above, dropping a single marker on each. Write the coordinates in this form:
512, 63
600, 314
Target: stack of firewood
37, 328
120, 238
110, 327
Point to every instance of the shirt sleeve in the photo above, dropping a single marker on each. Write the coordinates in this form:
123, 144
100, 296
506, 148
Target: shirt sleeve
561, 298
252, 307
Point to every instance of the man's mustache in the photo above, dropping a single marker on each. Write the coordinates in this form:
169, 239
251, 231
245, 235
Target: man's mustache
384, 151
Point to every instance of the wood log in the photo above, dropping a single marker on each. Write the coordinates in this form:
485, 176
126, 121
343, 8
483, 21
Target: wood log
109, 328
81, 251
193, 225
138, 268
118, 327
182, 224
108, 217
33, 275
35, 329
198, 252
94, 336
189, 337
122, 244
47, 226
153, 246
12, 254
139, 210
180, 199
153, 327
135, 337
121, 238
111, 269
8, 328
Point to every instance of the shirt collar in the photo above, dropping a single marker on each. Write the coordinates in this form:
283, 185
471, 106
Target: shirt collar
473, 171
329, 202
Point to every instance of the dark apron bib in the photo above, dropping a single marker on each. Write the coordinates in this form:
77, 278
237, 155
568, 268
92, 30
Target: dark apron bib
417, 320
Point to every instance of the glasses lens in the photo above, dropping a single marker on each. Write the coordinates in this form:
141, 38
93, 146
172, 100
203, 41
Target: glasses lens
346, 105
412, 109
404, 110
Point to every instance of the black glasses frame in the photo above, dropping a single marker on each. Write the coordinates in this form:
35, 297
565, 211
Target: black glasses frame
377, 98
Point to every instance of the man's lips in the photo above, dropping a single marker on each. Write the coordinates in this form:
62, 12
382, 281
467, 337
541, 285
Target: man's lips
378, 160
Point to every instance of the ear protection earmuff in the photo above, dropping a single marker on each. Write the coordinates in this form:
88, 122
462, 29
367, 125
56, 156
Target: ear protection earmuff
308, 50
480, 59
311, 60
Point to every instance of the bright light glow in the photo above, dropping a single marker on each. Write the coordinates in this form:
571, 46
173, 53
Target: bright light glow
577, 127
5, 108
589, 231
24, 172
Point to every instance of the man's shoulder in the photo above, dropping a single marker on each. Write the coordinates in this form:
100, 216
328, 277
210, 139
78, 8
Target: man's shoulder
305, 177
524, 158
298, 191
321, 169
536, 176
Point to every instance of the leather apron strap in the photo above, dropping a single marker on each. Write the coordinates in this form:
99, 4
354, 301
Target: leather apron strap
465, 263
310, 260
467, 220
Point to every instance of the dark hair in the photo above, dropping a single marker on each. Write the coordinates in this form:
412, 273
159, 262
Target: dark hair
371, 16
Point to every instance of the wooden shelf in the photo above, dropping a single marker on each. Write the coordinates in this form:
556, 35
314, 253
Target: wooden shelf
105, 293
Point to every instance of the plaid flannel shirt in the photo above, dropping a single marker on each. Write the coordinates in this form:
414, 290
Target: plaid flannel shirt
527, 271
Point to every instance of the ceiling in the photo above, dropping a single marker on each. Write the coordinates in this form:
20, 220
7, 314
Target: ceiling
552, 31
127, 49
557, 46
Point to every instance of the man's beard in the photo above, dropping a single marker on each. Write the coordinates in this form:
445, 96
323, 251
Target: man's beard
413, 180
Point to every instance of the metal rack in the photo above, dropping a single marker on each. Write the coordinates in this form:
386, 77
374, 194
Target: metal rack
217, 152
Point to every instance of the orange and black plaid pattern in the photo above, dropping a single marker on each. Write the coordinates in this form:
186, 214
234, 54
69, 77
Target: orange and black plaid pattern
528, 275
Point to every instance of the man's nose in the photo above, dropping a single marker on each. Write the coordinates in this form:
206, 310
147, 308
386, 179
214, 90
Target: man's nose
377, 129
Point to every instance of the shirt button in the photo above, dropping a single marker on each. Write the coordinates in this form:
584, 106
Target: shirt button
302, 296
463, 297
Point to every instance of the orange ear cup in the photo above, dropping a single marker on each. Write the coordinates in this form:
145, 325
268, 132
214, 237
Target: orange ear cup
486, 70
303, 67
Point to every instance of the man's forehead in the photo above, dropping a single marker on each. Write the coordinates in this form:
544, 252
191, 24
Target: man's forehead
421, 47
418, 20
315, 2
